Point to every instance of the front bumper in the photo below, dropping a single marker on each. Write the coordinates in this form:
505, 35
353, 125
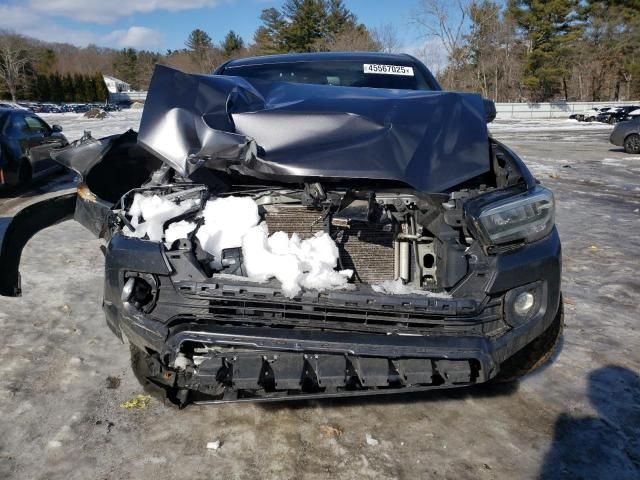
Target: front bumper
233, 361
615, 139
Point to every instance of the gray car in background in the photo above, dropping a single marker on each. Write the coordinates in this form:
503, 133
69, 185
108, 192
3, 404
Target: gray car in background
25, 143
627, 135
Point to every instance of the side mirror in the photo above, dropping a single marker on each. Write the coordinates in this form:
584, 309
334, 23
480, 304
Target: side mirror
489, 110
56, 128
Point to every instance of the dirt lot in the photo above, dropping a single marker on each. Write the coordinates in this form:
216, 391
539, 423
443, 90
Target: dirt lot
578, 417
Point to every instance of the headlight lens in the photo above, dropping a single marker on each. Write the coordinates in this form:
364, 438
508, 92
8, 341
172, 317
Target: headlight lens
527, 216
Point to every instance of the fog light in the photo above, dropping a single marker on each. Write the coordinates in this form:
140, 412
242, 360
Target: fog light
523, 303
140, 291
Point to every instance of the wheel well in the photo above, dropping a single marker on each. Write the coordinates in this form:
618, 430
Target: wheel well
632, 133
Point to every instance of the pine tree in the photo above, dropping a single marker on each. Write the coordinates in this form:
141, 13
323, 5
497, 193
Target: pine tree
200, 45
550, 29
268, 37
101, 92
55, 82
612, 37
339, 18
124, 66
43, 92
68, 89
89, 88
232, 43
78, 87
307, 24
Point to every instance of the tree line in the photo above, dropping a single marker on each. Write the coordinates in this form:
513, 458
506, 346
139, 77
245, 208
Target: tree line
538, 50
508, 50
80, 88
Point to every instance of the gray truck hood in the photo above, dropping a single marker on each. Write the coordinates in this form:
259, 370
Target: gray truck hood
293, 132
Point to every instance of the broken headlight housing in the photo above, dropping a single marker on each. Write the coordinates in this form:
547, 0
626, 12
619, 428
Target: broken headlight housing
527, 216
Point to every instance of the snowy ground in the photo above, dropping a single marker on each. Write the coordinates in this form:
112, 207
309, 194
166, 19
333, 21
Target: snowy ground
577, 418
75, 124
544, 125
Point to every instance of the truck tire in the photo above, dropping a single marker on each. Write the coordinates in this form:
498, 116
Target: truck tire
632, 143
535, 354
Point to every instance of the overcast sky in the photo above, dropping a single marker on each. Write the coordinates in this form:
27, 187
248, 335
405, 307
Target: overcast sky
165, 24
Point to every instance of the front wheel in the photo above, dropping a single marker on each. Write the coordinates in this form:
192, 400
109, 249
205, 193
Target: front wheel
632, 143
535, 354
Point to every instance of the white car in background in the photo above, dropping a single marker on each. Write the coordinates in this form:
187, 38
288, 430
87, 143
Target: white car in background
591, 114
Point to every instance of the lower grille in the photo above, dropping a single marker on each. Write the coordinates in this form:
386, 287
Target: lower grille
366, 248
257, 305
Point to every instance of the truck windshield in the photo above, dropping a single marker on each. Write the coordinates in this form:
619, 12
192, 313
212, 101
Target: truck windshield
347, 73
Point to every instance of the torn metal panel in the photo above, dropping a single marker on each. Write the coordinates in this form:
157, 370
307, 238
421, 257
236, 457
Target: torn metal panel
109, 167
430, 140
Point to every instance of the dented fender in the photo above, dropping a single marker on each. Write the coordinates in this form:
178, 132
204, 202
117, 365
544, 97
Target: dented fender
21, 222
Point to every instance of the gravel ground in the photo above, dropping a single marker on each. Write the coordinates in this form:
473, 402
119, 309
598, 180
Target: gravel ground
63, 375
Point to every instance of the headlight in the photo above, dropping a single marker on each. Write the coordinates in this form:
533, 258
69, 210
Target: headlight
526, 216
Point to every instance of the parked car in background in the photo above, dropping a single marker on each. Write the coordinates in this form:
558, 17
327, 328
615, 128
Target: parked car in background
111, 107
607, 116
633, 114
579, 116
627, 134
81, 108
26, 106
591, 115
25, 143
616, 114
50, 108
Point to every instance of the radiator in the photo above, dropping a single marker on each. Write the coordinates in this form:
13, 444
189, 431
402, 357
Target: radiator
367, 248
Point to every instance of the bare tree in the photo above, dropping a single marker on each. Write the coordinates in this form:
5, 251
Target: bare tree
432, 55
14, 59
445, 20
386, 36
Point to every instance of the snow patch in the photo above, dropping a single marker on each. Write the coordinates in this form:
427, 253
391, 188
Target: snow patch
295, 263
226, 221
213, 445
396, 287
370, 440
234, 222
178, 230
154, 212
621, 162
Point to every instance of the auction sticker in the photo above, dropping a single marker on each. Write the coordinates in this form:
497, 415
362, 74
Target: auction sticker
388, 69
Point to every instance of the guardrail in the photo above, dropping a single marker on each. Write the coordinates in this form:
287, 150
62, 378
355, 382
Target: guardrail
503, 110
550, 110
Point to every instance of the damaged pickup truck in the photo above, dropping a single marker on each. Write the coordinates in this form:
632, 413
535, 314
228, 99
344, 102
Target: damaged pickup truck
312, 225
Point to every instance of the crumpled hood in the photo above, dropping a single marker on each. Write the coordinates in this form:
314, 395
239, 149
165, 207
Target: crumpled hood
286, 131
